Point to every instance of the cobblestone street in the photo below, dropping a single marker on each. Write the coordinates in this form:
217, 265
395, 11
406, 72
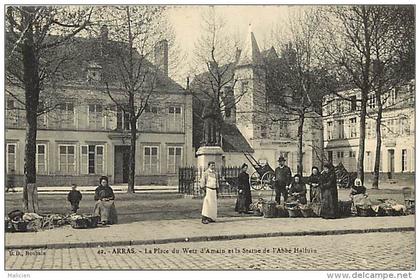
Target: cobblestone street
378, 251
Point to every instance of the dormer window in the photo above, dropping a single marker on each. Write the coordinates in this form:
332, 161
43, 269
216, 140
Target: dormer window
94, 72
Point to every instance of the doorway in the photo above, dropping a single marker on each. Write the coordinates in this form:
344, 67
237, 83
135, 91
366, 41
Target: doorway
121, 163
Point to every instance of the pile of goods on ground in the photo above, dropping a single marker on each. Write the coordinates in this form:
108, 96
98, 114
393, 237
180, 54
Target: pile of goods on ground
364, 207
18, 221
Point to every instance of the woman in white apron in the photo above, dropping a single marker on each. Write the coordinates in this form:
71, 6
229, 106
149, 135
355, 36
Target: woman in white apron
210, 183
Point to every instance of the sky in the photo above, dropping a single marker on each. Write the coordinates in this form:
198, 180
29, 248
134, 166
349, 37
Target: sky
186, 22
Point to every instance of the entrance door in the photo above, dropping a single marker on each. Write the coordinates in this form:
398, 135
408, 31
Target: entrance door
121, 162
391, 163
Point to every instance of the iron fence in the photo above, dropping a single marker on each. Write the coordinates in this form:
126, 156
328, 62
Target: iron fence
189, 181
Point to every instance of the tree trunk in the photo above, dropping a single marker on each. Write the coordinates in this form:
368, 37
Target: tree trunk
375, 184
362, 136
31, 80
132, 157
300, 144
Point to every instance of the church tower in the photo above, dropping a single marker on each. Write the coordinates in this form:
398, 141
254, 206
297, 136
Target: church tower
250, 90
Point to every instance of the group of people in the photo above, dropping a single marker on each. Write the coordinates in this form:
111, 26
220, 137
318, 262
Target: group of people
104, 201
322, 190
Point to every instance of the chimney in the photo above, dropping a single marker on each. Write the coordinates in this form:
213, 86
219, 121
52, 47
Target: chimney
161, 56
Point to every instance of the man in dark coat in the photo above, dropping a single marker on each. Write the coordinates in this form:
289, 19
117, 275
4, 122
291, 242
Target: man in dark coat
282, 178
74, 197
329, 193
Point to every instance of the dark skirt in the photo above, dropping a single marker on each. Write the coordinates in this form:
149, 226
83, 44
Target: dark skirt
329, 203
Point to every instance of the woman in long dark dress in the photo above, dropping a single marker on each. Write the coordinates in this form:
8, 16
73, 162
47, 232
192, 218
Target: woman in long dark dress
314, 188
244, 191
297, 191
329, 193
104, 205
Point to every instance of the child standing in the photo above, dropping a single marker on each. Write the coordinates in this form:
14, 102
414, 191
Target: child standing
74, 198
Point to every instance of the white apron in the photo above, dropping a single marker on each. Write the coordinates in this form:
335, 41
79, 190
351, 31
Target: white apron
210, 200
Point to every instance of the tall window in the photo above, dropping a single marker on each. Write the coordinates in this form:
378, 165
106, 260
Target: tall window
404, 126
123, 120
392, 98
371, 101
330, 130
404, 160
41, 159
151, 160
67, 115
175, 120
341, 134
11, 158
92, 161
67, 159
340, 155
12, 113
174, 159
353, 127
369, 161
340, 106
353, 103
95, 116
352, 154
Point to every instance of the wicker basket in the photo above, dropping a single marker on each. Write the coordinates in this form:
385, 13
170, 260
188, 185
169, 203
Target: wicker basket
20, 226
294, 212
365, 212
79, 223
307, 212
282, 211
92, 221
269, 209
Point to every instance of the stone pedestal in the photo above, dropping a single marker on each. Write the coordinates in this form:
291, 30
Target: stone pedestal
206, 154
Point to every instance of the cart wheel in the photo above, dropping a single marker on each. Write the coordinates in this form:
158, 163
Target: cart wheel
267, 180
255, 181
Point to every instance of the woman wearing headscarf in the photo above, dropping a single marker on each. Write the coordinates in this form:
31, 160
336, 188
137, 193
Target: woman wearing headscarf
209, 182
104, 206
244, 191
329, 193
297, 190
314, 188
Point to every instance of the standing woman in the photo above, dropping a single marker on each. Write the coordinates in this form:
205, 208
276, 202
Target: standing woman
314, 188
244, 191
329, 193
104, 206
210, 182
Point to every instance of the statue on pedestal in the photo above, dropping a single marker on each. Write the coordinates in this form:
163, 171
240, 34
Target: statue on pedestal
212, 124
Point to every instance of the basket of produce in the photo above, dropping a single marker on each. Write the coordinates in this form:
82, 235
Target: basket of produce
257, 207
344, 208
306, 211
365, 211
293, 209
92, 221
282, 211
20, 226
78, 221
269, 209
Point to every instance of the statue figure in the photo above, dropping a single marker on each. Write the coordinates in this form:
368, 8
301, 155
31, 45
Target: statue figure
212, 123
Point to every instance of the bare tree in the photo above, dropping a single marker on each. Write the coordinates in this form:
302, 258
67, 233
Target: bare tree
35, 35
393, 46
348, 50
296, 82
133, 32
215, 58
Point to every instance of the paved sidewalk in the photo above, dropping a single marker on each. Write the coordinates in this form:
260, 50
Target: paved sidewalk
192, 230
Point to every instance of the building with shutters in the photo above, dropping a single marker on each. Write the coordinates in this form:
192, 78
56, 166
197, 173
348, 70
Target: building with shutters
87, 135
341, 131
